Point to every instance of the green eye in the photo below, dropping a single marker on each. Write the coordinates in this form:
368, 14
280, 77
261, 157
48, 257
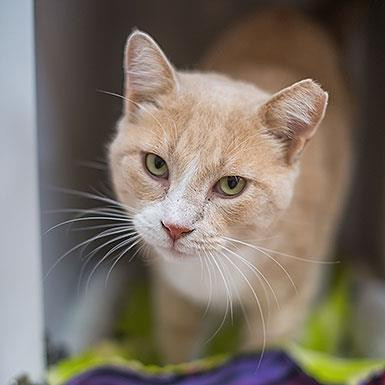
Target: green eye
156, 166
230, 185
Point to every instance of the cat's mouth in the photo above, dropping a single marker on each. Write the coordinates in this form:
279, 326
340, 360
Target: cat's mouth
174, 251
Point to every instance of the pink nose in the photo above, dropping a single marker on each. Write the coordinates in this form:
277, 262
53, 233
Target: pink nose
174, 231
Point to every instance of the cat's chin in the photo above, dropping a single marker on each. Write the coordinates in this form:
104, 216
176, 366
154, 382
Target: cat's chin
172, 254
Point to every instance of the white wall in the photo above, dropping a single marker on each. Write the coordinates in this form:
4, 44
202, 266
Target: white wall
21, 325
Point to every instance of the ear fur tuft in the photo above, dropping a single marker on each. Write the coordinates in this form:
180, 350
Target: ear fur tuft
293, 115
148, 73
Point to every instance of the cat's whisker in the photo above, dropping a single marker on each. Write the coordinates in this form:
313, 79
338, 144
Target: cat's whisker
95, 165
268, 256
121, 255
257, 302
265, 238
98, 210
88, 228
308, 260
201, 266
116, 212
137, 250
86, 242
80, 210
101, 211
240, 302
258, 274
140, 106
92, 253
207, 260
212, 256
97, 218
146, 253
126, 233
282, 268
95, 197
82, 272
299, 258
230, 296
228, 291
246, 318
117, 247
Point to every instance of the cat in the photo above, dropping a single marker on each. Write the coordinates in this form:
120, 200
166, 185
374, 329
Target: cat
225, 178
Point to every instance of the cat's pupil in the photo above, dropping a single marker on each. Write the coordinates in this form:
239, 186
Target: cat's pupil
232, 181
158, 162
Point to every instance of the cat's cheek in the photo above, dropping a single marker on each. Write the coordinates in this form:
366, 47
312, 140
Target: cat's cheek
132, 178
119, 183
257, 213
147, 223
283, 193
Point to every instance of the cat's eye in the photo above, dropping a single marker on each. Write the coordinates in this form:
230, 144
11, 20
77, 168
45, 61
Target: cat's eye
230, 186
156, 165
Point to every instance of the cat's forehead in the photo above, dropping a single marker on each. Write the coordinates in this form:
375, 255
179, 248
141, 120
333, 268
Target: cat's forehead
213, 114
218, 90
211, 123
215, 141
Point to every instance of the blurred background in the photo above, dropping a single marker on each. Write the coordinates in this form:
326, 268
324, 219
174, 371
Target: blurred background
55, 122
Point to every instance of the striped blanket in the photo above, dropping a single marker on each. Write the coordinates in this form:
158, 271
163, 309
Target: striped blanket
276, 368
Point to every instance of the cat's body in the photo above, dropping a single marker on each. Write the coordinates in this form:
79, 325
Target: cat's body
216, 123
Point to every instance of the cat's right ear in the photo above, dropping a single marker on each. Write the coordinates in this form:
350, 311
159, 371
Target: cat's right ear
147, 72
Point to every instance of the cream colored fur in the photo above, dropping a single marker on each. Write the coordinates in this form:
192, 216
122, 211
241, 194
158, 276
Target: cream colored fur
250, 113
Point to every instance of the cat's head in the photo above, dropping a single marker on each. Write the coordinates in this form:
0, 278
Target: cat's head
199, 157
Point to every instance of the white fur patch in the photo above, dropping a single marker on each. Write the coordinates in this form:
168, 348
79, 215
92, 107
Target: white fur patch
178, 210
175, 209
203, 281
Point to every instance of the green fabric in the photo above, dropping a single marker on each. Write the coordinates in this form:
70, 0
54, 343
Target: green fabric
134, 329
323, 367
318, 351
111, 354
329, 369
327, 330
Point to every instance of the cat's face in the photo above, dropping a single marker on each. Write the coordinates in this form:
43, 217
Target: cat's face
199, 157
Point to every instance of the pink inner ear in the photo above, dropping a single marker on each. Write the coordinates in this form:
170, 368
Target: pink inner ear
313, 111
148, 73
294, 114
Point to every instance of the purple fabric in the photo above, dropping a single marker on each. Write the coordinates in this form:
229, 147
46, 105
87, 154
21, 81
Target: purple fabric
276, 368
377, 380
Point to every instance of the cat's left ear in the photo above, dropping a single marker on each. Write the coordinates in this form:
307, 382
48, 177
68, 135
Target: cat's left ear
293, 115
147, 72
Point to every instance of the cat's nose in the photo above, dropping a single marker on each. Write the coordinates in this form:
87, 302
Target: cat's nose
174, 231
